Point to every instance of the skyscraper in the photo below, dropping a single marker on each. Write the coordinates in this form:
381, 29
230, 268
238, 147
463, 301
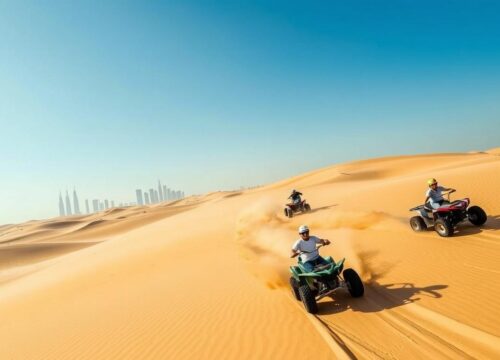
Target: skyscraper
165, 197
61, 206
87, 208
157, 196
106, 204
152, 196
68, 205
138, 195
160, 192
146, 198
95, 205
76, 204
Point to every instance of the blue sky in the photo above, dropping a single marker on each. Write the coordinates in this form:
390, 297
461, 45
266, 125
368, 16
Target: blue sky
110, 96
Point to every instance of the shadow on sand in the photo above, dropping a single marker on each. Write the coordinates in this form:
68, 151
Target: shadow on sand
493, 223
322, 208
379, 297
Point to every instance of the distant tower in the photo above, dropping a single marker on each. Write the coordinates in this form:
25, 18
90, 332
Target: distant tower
87, 208
157, 197
95, 205
146, 198
101, 206
138, 195
106, 204
165, 198
169, 195
76, 204
160, 192
152, 196
68, 205
61, 206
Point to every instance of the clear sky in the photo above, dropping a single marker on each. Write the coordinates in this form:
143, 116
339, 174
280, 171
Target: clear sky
210, 95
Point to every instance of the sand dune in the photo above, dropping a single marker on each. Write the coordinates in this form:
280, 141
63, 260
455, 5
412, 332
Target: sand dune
206, 277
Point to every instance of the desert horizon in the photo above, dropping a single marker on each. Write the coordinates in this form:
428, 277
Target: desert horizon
207, 276
249, 180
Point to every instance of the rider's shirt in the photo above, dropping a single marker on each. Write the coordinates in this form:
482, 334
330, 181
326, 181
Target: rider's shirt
435, 196
309, 246
295, 197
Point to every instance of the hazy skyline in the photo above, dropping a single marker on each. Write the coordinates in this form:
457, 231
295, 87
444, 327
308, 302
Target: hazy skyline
214, 96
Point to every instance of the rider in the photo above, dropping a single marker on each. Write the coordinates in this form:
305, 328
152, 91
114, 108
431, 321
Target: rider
295, 196
306, 248
434, 197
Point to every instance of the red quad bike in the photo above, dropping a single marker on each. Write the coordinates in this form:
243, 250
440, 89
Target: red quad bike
447, 217
302, 207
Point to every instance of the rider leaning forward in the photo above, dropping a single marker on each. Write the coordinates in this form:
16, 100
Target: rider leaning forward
434, 195
306, 248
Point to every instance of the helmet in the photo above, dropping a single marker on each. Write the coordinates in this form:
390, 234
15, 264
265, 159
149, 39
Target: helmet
294, 191
303, 229
431, 181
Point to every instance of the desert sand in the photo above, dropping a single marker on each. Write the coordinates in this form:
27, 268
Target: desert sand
207, 277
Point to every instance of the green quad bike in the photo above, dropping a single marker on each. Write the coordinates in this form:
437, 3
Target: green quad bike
324, 280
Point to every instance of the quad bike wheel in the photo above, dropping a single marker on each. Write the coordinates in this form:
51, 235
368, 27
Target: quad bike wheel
307, 208
294, 284
417, 223
288, 212
354, 283
308, 299
476, 215
443, 227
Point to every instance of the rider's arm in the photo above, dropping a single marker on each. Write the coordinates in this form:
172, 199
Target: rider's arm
427, 196
324, 242
295, 250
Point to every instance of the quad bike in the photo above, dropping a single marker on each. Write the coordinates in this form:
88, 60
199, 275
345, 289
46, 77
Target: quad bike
302, 207
324, 280
447, 217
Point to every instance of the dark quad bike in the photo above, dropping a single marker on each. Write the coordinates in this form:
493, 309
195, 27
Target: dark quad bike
447, 217
324, 280
302, 207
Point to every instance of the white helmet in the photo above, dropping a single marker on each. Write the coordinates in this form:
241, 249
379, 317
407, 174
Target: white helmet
303, 229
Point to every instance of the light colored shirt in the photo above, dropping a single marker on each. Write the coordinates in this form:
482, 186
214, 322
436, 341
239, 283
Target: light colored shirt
309, 246
435, 196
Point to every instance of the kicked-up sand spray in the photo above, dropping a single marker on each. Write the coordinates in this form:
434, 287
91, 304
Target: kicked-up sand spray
266, 239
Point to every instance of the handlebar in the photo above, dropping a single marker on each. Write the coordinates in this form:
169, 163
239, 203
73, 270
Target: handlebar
422, 206
448, 194
309, 252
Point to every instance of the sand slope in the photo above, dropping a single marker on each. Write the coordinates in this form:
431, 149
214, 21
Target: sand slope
206, 277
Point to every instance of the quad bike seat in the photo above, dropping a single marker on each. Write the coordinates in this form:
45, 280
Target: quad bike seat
428, 207
317, 268
337, 268
321, 267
